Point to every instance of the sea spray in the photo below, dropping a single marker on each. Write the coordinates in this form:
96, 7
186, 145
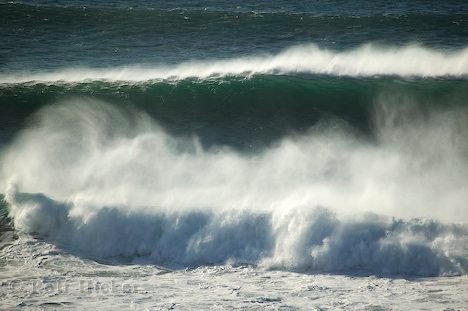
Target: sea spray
123, 187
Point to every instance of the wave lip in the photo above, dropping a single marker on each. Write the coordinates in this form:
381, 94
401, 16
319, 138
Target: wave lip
365, 61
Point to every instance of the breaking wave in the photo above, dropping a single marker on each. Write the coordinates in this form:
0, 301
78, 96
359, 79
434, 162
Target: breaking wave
367, 60
106, 182
300, 239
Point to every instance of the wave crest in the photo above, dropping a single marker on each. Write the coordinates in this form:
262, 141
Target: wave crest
365, 61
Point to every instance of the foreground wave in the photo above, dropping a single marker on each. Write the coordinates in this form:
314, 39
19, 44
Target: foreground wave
106, 182
301, 239
368, 60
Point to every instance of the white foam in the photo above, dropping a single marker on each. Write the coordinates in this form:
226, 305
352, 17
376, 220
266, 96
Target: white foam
367, 60
301, 239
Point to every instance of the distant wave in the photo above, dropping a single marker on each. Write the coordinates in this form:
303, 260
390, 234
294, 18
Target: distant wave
365, 61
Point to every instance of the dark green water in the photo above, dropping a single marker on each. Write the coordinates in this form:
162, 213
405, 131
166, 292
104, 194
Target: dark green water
239, 112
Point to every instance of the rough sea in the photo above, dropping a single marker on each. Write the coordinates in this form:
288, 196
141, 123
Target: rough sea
227, 155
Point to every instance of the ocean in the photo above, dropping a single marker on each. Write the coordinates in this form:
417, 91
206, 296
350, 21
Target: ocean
210, 154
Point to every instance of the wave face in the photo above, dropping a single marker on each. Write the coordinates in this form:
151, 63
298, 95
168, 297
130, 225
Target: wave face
410, 61
246, 114
108, 182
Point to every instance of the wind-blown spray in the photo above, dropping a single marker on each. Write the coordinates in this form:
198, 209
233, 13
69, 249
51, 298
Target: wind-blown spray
110, 182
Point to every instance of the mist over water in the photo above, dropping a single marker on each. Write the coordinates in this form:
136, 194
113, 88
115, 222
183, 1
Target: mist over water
107, 181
